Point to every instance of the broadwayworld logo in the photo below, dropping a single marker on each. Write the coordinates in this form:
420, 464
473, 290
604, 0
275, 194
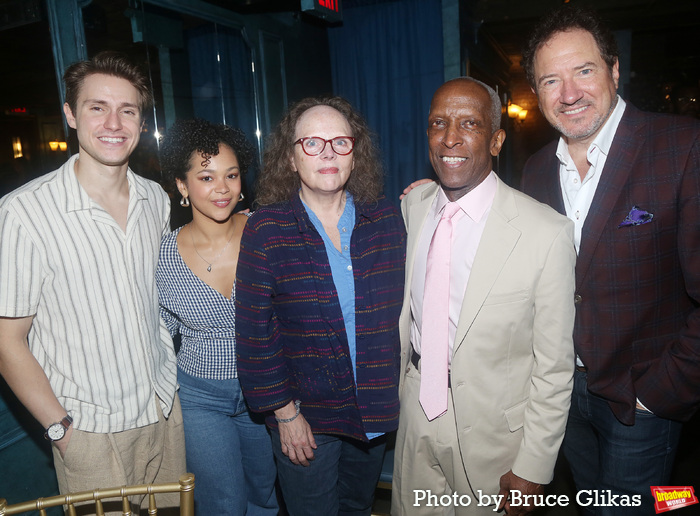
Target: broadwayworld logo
668, 498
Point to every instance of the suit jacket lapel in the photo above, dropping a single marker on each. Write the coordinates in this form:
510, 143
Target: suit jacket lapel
496, 245
544, 183
618, 166
416, 218
553, 188
417, 212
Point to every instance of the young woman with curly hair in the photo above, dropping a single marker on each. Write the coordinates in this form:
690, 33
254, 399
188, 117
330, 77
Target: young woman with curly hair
227, 449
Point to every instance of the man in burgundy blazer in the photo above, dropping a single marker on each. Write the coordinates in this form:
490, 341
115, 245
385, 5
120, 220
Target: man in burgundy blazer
637, 330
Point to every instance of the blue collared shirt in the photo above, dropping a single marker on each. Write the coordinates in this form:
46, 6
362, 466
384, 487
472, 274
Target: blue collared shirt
343, 277
341, 268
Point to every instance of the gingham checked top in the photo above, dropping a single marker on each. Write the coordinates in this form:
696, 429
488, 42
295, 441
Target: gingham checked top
201, 315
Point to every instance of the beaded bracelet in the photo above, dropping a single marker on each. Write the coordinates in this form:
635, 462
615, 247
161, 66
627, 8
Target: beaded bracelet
297, 404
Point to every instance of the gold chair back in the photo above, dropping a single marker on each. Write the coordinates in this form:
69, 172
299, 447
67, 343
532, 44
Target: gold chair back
185, 487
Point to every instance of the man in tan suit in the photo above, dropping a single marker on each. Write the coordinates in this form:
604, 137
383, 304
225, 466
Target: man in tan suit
508, 322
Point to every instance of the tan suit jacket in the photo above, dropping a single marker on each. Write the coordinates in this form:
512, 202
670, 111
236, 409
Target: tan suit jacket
513, 358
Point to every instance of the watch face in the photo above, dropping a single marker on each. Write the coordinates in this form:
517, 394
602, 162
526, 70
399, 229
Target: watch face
56, 431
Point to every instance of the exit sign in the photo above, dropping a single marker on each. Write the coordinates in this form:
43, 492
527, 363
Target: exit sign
329, 10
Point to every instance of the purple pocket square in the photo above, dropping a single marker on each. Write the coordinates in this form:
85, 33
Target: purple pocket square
636, 217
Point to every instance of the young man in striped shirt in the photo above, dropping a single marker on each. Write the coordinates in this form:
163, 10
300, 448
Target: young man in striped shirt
81, 342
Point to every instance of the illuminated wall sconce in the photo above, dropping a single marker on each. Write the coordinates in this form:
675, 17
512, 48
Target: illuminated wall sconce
514, 110
54, 146
17, 147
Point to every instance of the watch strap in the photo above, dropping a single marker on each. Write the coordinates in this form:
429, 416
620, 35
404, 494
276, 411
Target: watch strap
65, 422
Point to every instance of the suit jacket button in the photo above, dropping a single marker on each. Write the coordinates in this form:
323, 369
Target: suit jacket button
577, 299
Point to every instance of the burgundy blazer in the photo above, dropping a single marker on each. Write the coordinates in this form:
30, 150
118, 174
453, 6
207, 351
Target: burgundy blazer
638, 286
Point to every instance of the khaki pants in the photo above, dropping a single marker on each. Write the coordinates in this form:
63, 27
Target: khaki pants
427, 459
151, 454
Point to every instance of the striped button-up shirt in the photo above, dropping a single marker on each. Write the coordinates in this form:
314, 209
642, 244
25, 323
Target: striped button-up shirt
291, 337
91, 288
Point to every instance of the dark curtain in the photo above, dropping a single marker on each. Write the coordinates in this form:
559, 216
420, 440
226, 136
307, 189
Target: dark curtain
222, 89
387, 60
26, 462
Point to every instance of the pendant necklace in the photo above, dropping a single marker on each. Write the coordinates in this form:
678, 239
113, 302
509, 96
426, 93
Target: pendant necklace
209, 263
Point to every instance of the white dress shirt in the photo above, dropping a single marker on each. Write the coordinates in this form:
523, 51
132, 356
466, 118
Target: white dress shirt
577, 194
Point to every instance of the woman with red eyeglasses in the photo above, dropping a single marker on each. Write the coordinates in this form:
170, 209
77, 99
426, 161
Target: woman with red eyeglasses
319, 291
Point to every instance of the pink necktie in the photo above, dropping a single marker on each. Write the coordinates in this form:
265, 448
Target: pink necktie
436, 318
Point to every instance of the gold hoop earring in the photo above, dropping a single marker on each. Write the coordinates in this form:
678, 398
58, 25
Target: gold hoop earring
185, 201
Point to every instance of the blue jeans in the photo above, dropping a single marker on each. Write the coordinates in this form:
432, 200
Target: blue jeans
340, 480
605, 454
229, 453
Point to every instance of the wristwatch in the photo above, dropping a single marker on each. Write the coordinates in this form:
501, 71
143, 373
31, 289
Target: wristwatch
56, 431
